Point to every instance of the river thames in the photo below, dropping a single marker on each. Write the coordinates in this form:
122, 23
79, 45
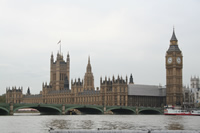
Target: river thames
35, 123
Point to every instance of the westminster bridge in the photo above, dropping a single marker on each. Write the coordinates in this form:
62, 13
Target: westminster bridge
9, 109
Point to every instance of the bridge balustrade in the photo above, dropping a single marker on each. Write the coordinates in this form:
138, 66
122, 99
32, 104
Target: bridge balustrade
6, 109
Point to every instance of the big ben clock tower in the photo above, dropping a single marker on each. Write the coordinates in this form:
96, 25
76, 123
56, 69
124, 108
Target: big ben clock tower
174, 65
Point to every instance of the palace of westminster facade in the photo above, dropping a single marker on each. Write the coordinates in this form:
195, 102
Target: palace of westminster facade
116, 91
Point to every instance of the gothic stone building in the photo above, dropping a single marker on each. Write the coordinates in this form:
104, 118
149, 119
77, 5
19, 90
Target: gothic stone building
112, 92
115, 91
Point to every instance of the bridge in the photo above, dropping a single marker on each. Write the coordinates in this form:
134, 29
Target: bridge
57, 109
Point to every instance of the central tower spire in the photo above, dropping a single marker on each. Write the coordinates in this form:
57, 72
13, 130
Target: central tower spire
89, 68
89, 78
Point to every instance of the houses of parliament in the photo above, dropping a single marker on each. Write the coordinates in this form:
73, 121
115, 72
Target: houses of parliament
115, 91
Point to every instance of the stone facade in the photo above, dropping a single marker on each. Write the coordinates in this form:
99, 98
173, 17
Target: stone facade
14, 95
32, 98
112, 92
195, 82
59, 73
193, 92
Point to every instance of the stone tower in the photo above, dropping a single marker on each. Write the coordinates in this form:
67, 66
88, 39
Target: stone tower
114, 92
174, 65
89, 78
195, 82
28, 91
14, 95
59, 72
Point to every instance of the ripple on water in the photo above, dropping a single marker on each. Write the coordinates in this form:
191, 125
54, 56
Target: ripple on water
41, 124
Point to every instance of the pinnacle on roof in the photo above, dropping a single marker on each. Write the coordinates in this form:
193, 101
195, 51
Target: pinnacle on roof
67, 54
88, 59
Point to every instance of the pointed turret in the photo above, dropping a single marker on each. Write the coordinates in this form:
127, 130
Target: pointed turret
89, 68
68, 58
52, 59
61, 56
58, 56
28, 91
113, 78
131, 79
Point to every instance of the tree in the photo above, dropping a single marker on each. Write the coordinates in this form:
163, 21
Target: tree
3, 98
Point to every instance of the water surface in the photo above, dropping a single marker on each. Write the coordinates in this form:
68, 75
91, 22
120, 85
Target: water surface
35, 123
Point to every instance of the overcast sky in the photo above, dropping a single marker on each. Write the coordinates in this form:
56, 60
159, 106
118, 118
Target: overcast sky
121, 37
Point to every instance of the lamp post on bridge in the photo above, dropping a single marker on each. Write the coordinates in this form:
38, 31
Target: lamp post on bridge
11, 108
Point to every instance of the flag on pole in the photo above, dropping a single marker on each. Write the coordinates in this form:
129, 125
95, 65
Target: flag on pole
59, 42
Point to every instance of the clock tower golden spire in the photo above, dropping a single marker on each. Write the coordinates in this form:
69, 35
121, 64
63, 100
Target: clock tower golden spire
174, 65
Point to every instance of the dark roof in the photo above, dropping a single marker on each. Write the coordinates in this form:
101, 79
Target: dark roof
62, 62
32, 96
14, 90
108, 82
173, 37
59, 91
173, 48
145, 90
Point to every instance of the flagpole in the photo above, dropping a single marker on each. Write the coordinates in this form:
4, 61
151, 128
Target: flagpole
60, 46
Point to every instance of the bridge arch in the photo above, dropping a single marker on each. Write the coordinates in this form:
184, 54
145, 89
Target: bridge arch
84, 109
149, 111
4, 111
121, 110
43, 109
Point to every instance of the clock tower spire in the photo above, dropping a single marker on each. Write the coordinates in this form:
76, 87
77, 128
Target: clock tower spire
173, 37
174, 65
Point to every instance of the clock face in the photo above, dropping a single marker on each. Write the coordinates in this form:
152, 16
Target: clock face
178, 59
169, 60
